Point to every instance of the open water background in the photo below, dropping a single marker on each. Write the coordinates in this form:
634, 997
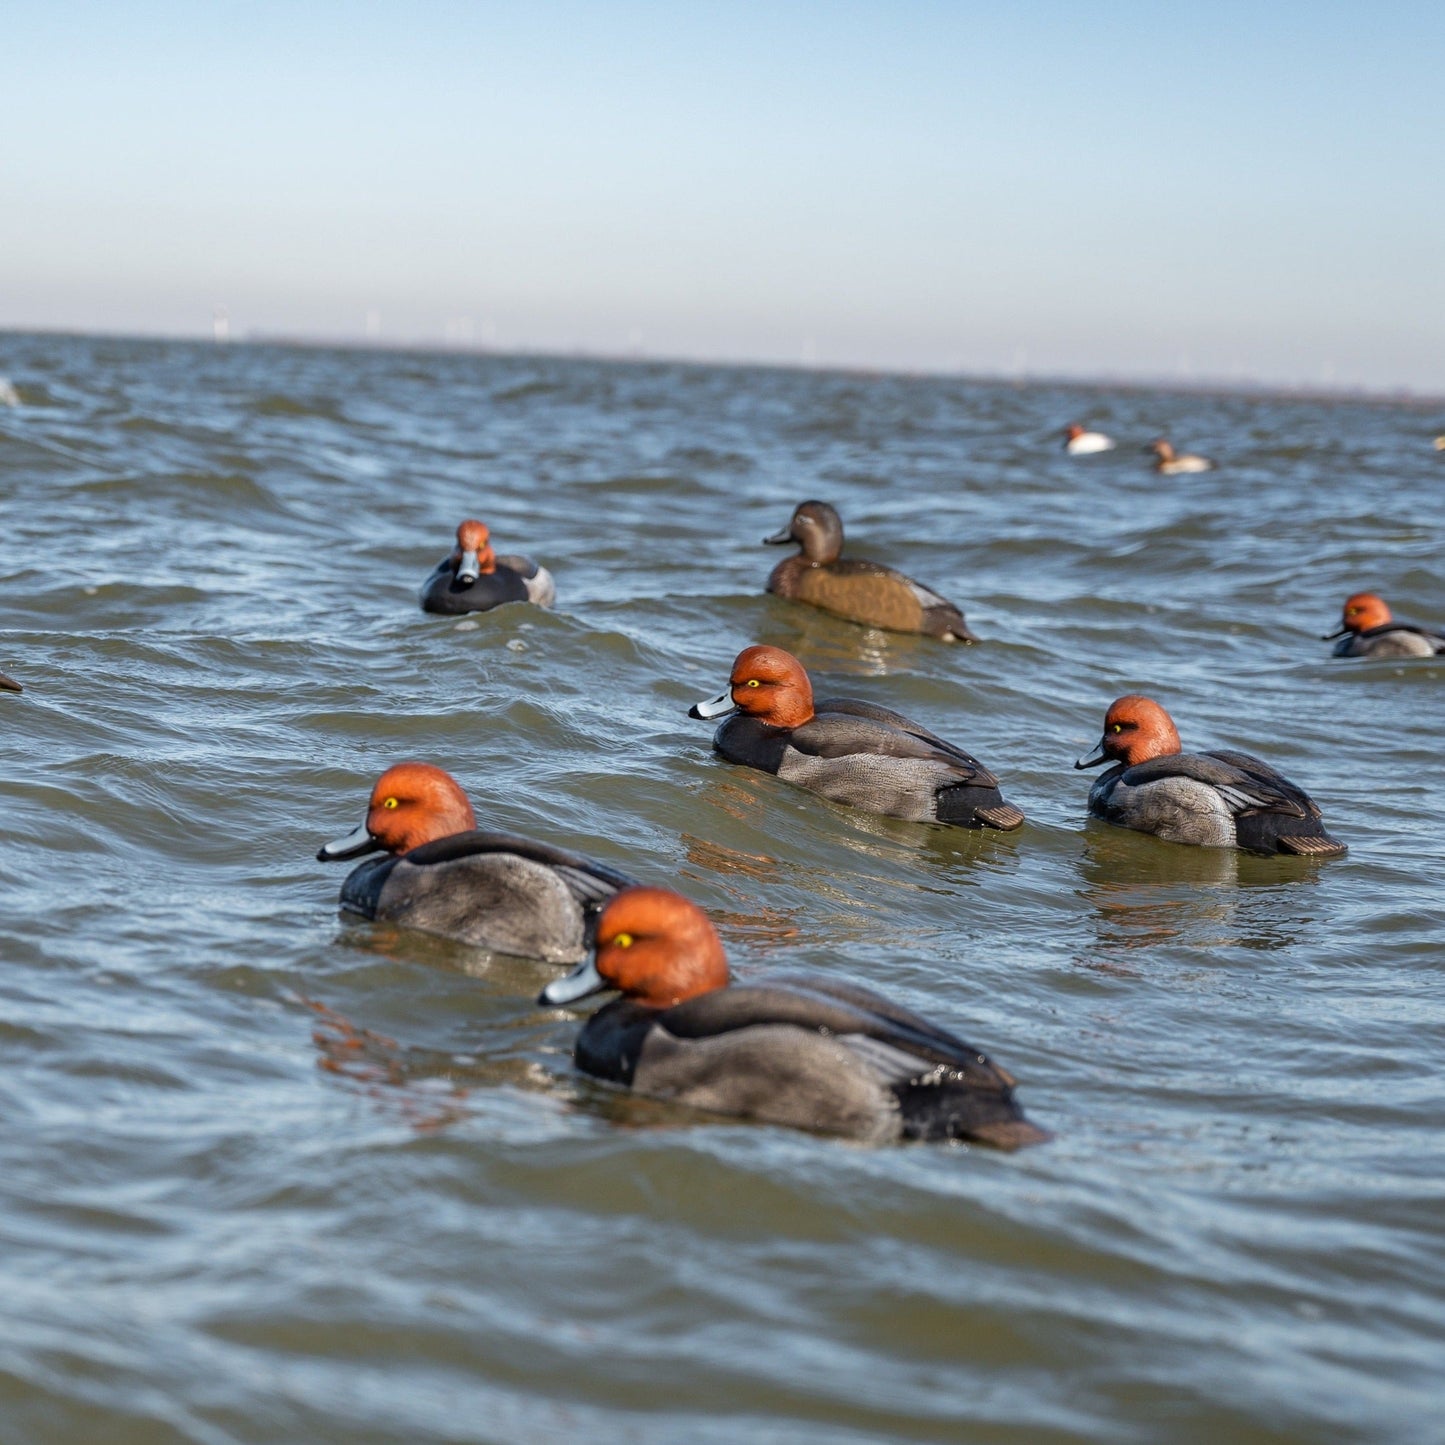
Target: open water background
266, 1176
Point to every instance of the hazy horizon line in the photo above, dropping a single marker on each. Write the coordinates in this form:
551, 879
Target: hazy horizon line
1204, 384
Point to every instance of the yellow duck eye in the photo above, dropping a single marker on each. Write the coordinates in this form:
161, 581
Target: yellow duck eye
1118, 727
623, 940
390, 803
753, 682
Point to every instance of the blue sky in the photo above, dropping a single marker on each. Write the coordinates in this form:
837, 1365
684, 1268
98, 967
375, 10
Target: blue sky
1123, 189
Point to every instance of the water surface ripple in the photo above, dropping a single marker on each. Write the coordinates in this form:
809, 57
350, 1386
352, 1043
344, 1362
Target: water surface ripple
269, 1176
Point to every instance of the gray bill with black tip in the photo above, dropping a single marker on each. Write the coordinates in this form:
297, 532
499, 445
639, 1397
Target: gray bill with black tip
583, 980
354, 845
714, 706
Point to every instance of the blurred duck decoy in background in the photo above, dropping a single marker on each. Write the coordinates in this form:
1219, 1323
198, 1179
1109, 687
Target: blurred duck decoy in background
848, 751
8, 684
805, 1050
1173, 463
852, 588
444, 876
475, 579
1217, 799
1367, 629
1081, 443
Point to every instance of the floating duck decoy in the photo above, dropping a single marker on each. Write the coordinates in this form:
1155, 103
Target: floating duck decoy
855, 589
475, 579
442, 875
8, 684
1172, 463
1081, 443
849, 751
1368, 629
1218, 799
805, 1050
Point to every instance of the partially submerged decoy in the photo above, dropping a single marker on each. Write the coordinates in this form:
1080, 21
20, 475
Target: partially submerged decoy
1081, 443
852, 752
1368, 629
473, 578
806, 1050
853, 588
1220, 799
1172, 463
443, 875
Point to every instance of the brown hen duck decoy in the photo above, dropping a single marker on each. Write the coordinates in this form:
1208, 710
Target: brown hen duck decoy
853, 588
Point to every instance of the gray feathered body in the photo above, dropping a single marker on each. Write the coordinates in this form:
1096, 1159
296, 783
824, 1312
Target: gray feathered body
1394, 639
875, 759
1213, 800
813, 1053
491, 890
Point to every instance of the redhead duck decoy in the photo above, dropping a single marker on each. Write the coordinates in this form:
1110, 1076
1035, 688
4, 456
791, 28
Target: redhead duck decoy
1172, 463
1081, 443
474, 579
442, 875
8, 684
851, 752
851, 588
804, 1050
1367, 629
1218, 799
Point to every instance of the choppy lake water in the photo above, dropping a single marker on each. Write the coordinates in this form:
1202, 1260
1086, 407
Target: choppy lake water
269, 1176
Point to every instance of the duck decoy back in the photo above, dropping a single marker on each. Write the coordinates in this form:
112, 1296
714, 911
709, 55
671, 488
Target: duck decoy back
1079, 442
1172, 463
473, 578
1368, 629
807, 1051
1220, 799
443, 875
849, 751
855, 589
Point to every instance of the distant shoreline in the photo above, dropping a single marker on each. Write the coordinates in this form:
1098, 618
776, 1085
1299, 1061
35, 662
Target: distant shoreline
1241, 387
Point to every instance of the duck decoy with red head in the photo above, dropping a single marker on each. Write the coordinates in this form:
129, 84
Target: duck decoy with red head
806, 1050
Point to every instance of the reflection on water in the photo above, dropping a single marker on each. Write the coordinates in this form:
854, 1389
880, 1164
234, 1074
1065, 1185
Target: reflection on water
267, 1175
713, 857
829, 646
1145, 893
426, 1098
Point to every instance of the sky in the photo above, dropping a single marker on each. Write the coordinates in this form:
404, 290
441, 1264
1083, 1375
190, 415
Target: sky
1126, 190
